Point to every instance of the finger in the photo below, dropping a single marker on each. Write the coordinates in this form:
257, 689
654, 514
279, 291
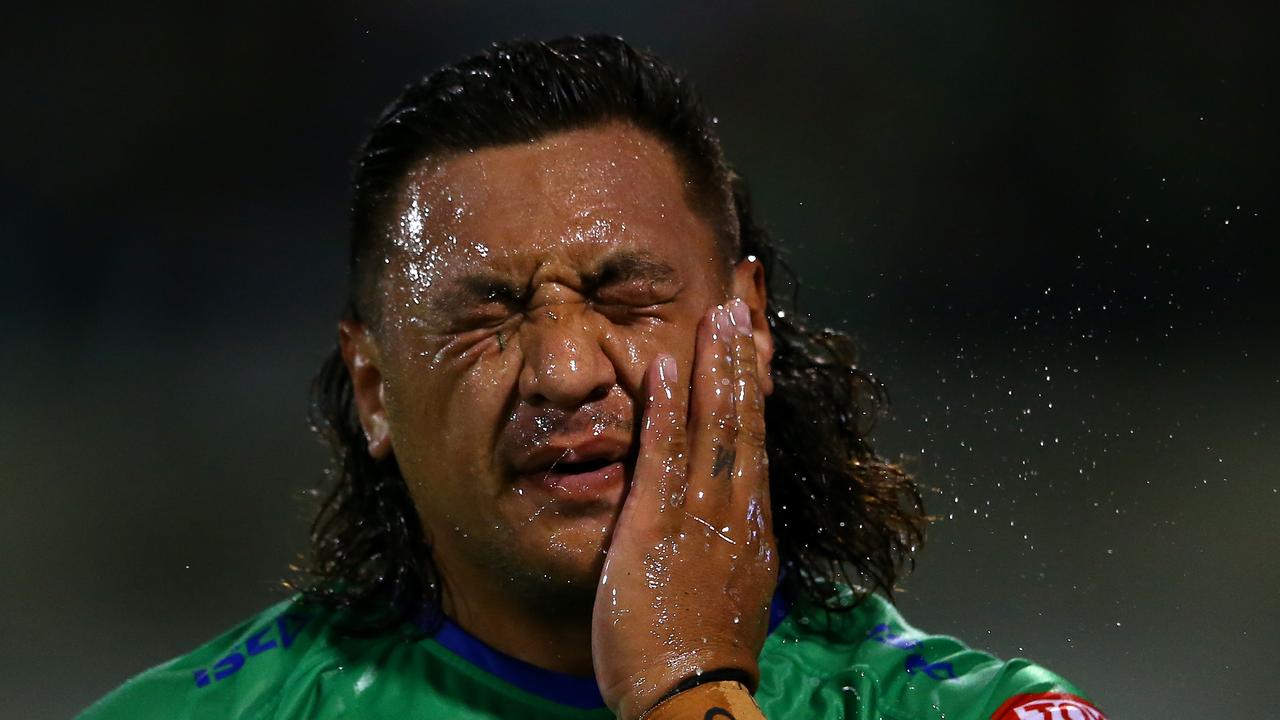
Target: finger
751, 467
750, 505
711, 414
663, 453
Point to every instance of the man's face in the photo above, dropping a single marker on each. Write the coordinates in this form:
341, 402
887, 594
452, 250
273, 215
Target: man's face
529, 287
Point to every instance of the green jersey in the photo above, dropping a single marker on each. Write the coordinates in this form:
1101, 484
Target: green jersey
292, 662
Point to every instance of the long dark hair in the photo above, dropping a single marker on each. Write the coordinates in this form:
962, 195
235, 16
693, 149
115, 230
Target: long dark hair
841, 512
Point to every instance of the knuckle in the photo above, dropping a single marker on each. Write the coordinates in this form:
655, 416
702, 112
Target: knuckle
751, 432
677, 446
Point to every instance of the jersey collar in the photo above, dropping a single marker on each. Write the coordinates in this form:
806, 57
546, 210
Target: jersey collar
573, 690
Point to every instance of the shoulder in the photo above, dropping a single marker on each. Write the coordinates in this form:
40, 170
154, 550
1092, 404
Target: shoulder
870, 663
298, 661
241, 673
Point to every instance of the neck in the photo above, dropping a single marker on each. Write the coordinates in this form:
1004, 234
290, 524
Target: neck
553, 633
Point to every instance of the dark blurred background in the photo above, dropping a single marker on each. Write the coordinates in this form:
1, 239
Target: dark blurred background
1051, 226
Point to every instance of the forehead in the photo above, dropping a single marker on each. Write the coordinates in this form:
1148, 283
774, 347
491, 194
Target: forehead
599, 185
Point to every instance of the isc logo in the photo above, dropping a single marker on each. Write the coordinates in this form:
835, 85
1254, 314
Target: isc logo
285, 627
1048, 706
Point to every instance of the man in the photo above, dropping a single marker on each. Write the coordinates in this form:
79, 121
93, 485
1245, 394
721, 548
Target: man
556, 495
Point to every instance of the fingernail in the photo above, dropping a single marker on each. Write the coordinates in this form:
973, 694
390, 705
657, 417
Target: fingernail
719, 320
667, 369
740, 316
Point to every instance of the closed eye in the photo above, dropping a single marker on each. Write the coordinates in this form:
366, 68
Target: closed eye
634, 294
629, 279
487, 302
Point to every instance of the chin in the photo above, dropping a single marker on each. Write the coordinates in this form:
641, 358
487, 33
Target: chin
559, 553
568, 561
579, 550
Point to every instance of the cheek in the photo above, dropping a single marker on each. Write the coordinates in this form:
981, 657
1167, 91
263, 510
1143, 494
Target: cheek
484, 383
447, 405
633, 348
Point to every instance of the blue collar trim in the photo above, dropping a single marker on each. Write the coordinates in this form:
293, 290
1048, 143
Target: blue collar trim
573, 690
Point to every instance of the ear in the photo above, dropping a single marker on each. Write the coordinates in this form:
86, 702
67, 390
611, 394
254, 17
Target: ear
748, 284
364, 366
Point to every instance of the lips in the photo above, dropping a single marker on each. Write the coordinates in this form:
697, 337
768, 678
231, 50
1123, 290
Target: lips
581, 470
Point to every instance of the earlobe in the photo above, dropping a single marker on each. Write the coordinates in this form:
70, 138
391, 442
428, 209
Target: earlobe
363, 365
749, 284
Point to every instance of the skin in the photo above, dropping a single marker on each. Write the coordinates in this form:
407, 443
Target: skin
563, 294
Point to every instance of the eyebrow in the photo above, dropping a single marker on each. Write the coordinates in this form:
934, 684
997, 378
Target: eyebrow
619, 266
482, 285
489, 284
628, 265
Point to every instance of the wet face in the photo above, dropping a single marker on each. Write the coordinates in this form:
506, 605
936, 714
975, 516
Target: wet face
528, 288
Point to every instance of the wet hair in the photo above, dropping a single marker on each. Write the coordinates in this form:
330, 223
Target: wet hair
841, 512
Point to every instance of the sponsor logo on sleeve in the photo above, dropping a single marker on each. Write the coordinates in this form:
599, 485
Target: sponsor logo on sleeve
915, 662
279, 634
1047, 706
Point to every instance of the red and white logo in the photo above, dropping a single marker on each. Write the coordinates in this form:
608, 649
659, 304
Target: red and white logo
1048, 706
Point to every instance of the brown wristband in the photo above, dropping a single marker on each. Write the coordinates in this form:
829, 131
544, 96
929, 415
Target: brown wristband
725, 700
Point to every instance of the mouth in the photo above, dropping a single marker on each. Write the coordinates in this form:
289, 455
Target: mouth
596, 470
583, 481
581, 467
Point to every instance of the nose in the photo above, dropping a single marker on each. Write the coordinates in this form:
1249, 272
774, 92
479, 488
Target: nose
564, 363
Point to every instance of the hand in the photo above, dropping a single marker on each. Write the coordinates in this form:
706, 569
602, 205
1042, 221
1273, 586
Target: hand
692, 564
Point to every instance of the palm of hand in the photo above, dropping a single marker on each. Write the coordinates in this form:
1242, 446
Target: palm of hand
692, 563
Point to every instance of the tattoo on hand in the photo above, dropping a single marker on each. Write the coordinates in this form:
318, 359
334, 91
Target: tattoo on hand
723, 460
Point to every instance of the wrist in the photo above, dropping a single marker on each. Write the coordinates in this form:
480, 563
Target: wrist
641, 704
741, 677
724, 699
